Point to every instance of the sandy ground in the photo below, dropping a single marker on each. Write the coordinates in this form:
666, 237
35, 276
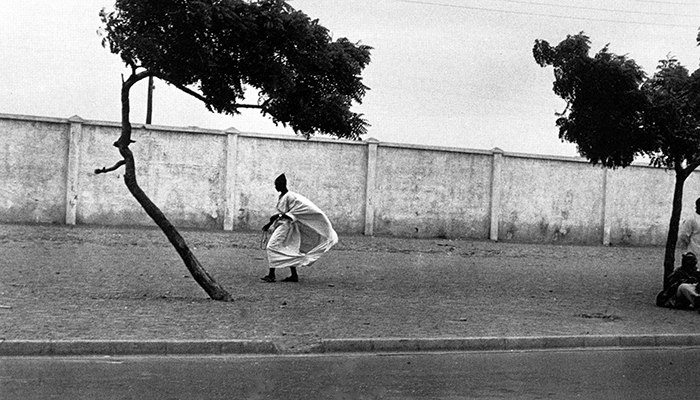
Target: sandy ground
62, 282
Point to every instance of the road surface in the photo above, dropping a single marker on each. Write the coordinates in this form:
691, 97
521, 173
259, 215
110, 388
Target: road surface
586, 374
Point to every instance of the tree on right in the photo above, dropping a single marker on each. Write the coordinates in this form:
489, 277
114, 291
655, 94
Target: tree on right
615, 113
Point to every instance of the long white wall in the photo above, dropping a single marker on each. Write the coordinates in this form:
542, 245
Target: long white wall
224, 180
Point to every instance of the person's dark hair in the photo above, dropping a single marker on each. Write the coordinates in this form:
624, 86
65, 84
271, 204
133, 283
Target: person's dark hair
689, 258
281, 185
281, 181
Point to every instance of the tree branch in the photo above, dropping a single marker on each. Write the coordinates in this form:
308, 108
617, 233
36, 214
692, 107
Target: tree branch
125, 138
203, 99
563, 113
114, 167
248, 106
692, 165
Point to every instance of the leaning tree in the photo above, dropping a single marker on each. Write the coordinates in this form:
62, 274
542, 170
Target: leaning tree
615, 112
214, 50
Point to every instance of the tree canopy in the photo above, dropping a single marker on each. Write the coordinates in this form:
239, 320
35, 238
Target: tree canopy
215, 49
673, 117
615, 112
604, 103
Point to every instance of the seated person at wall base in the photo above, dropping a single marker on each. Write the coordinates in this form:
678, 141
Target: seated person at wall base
682, 291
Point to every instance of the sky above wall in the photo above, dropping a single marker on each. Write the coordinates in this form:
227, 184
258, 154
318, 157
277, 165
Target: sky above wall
455, 73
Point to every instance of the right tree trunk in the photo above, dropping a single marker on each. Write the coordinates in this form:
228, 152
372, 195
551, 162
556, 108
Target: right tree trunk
673, 226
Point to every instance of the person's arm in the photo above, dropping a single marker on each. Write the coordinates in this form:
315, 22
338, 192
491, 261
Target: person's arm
695, 277
674, 280
286, 216
284, 207
281, 207
272, 221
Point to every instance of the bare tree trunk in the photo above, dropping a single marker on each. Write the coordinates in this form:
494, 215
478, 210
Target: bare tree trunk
213, 289
673, 226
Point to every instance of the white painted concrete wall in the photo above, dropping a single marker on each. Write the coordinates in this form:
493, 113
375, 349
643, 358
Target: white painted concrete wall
224, 180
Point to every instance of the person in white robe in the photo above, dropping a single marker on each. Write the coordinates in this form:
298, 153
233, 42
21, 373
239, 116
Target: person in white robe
689, 232
301, 233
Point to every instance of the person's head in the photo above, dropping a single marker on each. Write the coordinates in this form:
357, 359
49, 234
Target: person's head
281, 183
689, 261
697, 206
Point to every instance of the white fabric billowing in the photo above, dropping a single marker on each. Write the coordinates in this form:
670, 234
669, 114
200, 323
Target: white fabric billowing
302, 240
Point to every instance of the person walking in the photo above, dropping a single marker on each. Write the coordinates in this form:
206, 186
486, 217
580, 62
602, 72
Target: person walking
301, 233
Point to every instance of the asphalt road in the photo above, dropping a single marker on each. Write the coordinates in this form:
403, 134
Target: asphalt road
587, 374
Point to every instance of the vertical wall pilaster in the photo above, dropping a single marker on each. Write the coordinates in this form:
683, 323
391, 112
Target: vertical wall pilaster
607, 208
496, 167
372, 146
230, 199
73, 169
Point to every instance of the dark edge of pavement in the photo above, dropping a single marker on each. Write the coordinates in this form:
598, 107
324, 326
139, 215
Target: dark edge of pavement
334, 346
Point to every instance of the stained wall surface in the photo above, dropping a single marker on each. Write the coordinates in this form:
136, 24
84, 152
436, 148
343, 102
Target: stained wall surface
439, 193
215, 179
183, 172
550, 200
33, 168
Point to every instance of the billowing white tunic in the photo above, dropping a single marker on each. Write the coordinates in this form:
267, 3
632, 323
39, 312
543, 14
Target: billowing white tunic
302, 240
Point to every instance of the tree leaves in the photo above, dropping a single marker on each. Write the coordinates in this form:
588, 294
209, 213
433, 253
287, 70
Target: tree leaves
218, 47
615, 113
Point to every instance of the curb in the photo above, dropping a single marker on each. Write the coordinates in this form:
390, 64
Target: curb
334, 346
505, 343
133, 347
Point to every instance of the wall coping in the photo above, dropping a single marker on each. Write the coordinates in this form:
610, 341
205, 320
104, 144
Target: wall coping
272, 136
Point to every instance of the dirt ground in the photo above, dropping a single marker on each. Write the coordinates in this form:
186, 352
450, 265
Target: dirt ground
86, 282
